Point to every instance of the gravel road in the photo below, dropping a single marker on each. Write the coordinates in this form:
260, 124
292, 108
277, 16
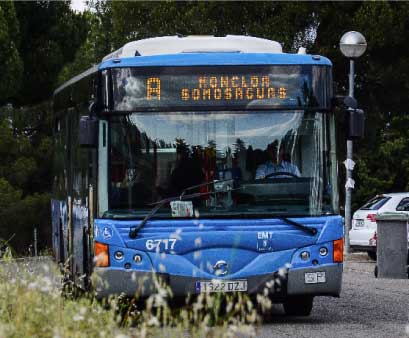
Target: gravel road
368, 307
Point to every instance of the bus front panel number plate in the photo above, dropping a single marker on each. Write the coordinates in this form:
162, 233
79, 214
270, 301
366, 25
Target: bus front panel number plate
221, 286
315, 277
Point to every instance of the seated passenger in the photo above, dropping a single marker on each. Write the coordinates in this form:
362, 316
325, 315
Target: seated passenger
276, 164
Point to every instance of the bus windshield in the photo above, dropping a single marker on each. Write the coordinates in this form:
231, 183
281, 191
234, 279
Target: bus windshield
252, 163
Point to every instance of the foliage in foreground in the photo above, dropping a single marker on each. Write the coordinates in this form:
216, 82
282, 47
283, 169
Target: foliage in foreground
32, 305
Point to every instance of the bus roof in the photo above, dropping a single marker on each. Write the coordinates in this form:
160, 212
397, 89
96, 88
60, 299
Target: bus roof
195, 44
216, 59
76, 78
199, 51
205, 50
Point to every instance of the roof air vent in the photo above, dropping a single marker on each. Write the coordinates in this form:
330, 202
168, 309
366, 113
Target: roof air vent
302, 50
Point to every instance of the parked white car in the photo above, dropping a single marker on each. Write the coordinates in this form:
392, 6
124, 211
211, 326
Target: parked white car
363, 235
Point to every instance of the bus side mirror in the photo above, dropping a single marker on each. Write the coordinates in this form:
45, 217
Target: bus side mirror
344, 101
88, 132
356, 123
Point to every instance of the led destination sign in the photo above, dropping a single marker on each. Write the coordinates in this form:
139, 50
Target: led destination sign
227, 88
215, 88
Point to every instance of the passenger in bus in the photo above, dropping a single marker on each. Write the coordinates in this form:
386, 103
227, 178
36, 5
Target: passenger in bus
276, 164
188, 171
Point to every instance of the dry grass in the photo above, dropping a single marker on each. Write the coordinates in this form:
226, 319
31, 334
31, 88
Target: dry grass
32, 305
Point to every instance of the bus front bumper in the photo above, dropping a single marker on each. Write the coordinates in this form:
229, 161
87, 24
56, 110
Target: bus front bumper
108, 281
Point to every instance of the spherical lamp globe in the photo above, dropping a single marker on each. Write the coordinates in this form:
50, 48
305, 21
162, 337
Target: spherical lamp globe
352, 44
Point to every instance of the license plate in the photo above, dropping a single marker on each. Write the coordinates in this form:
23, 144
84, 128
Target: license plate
359, 223
221, 286
315, 277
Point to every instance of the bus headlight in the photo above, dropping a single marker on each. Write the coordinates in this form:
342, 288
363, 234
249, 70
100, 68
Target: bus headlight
305, 255
119, 255
323, 251
137, 259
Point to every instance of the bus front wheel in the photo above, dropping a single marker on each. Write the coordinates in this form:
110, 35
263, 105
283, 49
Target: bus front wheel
298, 306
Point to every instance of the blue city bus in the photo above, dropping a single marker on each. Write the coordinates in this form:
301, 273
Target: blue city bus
208, 162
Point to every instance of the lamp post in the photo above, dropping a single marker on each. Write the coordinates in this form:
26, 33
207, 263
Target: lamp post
352, 45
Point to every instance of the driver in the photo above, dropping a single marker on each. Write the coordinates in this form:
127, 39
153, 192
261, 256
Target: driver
276, 164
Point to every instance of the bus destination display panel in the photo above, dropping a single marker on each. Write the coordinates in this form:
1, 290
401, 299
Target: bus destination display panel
218, 88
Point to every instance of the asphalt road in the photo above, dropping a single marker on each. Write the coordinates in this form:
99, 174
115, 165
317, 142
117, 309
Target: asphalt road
368, 307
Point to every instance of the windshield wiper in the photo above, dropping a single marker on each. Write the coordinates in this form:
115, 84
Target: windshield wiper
312, 231
133, 232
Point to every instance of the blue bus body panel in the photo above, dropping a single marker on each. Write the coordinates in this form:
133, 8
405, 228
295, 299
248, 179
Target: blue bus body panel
216, 59
192, 247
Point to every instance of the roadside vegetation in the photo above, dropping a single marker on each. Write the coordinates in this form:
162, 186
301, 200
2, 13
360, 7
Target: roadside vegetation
34, 307
32, 304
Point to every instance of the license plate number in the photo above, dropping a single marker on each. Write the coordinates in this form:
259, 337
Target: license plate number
359, 223
221, 286
315, 277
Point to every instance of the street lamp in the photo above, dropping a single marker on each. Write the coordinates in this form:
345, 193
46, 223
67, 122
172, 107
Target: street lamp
352, 45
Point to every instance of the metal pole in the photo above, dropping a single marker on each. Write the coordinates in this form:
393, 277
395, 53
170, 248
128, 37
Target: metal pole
348, 190
351, 77
35, 242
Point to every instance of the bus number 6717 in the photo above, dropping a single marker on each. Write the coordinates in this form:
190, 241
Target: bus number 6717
158, 244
